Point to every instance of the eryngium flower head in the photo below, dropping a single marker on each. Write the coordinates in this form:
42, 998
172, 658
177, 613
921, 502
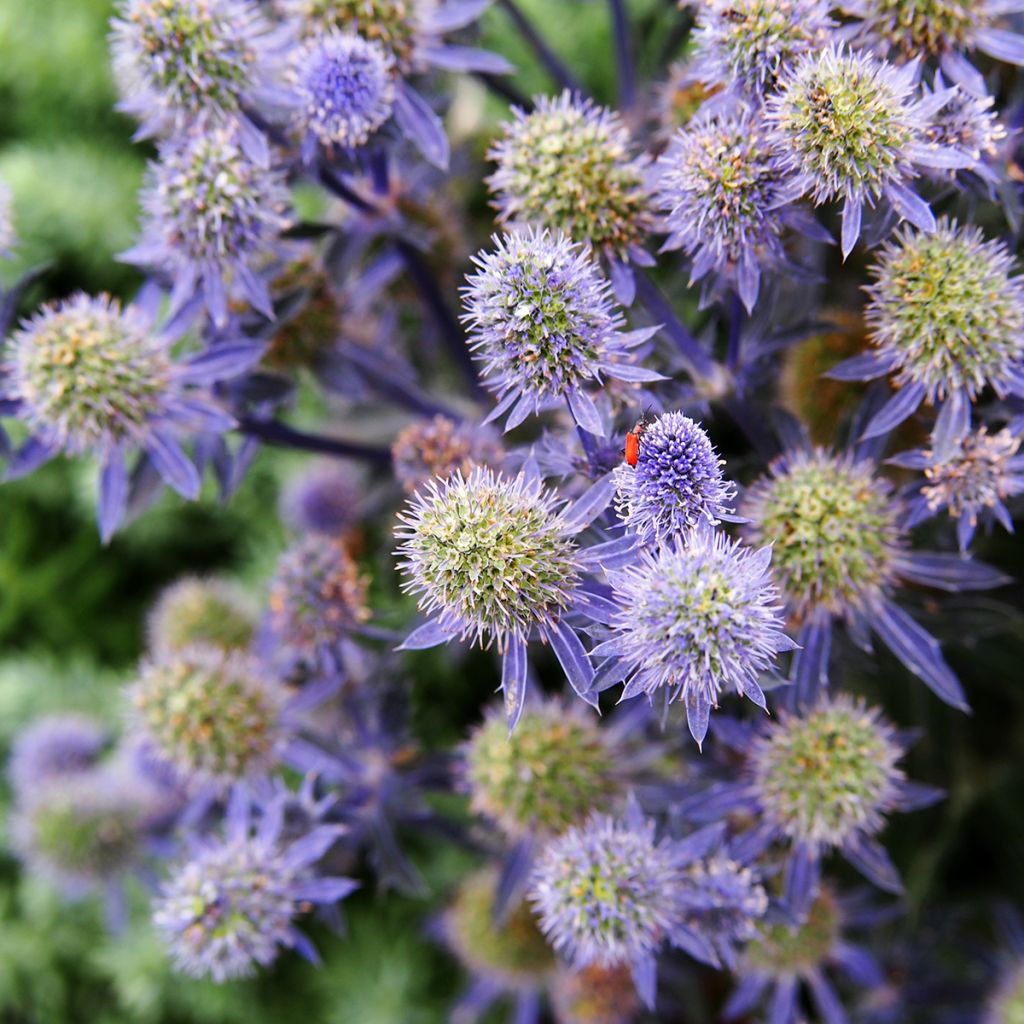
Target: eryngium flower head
429, 449
345, 88
594, 995
969, 125
491, 555
211, 714
568, 166
510, 953
556, 768
747, 44
176, 60
210, 211
829, 776
1006, 1004
718, 185
81, 832
53, 747
834, 530
317, 596
543, 323
694, 616
606, 892
89, 374
849, 126
322, 499
784, 950
230, 907
945, 313
197, 611
676, 483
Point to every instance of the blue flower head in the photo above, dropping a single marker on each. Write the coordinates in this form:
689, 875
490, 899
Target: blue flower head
324, 498
695, 616
543, 324
53, 747
677, 481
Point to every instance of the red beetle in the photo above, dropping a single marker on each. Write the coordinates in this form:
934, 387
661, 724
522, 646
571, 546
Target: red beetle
632, 451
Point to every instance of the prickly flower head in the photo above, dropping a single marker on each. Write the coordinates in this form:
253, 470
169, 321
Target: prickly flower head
749, 43
568, 166
438, 447
89, 374
211, 714
782, 950
834, 530
676, 483
490, 555
549, 774
695, 616
53, 747
826, 777
726, 901
945, 311
210, 612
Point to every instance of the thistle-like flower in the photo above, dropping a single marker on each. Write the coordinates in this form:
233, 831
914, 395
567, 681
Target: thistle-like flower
211, 209
495, 559
437, 448
88, 375
54, 747
747, 44
693, 617
972, 485
568, 166
946, 320
317, 598
849, 126
594, 995
543, 323
942, 30
324, 498
969, 125
229, 908
201, 612
556, 768
211, 714
345, 88
676, 484
719, 185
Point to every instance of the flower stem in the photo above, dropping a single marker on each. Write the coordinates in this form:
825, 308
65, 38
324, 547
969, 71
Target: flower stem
623, 53
281, 435
554, 66
661, 309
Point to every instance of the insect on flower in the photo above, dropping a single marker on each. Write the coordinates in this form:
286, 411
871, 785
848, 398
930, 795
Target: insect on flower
632, 449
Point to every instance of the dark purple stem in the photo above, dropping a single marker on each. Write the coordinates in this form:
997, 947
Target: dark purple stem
509, 93
623, 53
281, 435
737, 318
661, 309
554, 66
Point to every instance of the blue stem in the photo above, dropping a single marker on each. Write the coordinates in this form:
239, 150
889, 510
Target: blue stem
623, 53
552, 64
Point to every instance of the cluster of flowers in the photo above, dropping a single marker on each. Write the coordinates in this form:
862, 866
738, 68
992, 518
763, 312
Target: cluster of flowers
612, 539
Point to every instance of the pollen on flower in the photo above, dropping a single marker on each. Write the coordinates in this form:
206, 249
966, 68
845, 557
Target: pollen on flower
826, 776
924, 27
946, 311
834, 530
568, 166
490, 554
439, 447
195, 611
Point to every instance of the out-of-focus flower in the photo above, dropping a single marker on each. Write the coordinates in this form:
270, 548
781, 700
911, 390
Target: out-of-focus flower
594, 995
677, 481
971, 485
324, 498
213, 715
8, 238
568, 165
345, 89
211, 210
53, 747
719, 185
543, 323
228, 908
847, 126
946, 320
748, 44
1006, 1004
88, 375
693, 617
196, 611
437, 448
942, 30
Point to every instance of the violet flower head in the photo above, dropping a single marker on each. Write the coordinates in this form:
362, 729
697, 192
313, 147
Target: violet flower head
697, 615
969, 125
568, 165
211, 210
325, 498
942, 30
53, 747
676, 484
543, 323
719, 185
436, 448
345, 89
213, 716
946, 320
196, 611
848, 126
230, 907
176, 61
747, 44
